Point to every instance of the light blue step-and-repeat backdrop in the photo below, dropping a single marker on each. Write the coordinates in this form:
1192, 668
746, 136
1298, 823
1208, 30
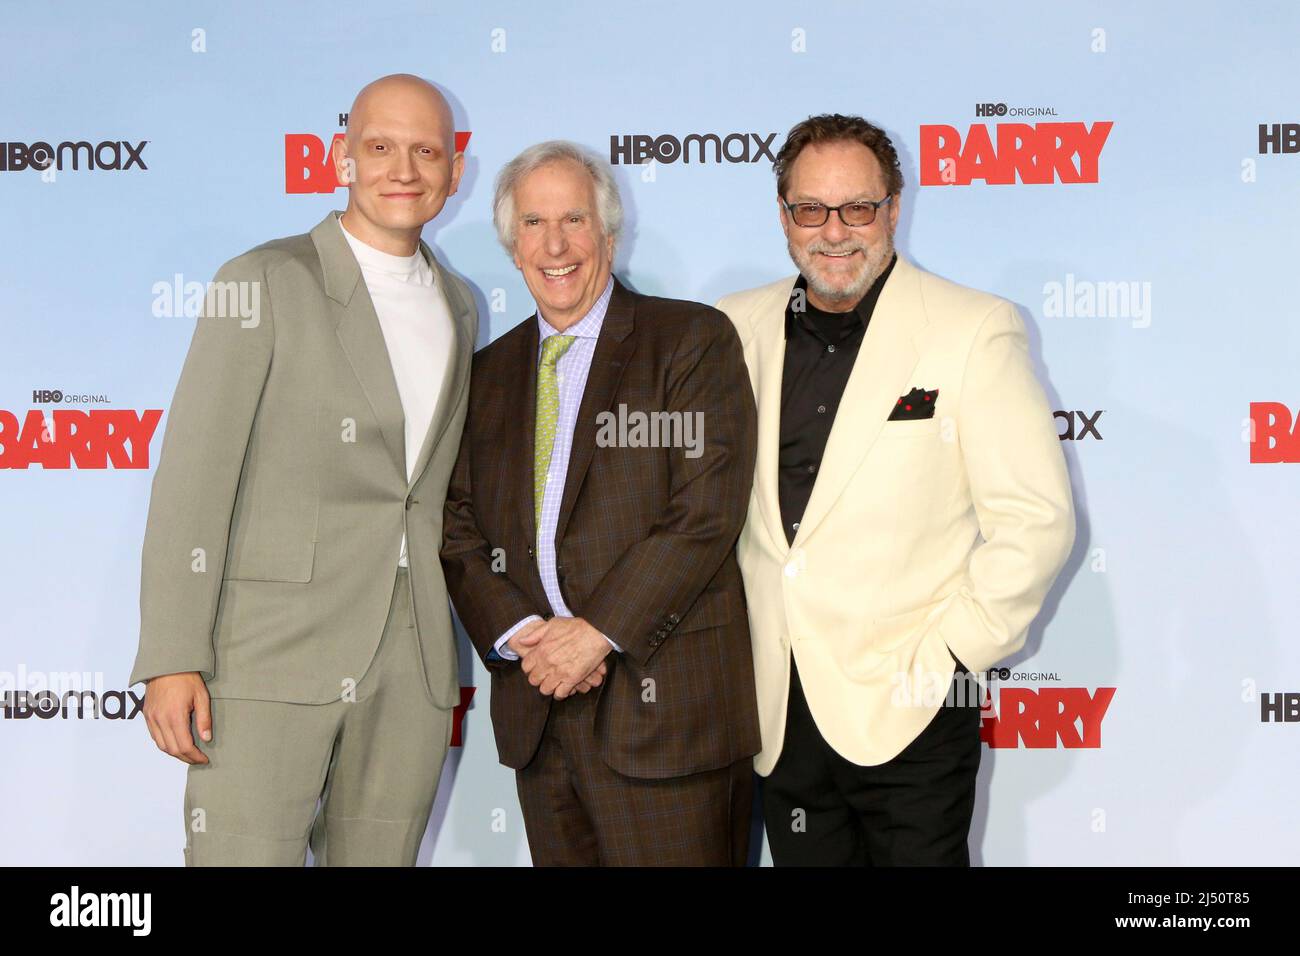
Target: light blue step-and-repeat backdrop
1152, 716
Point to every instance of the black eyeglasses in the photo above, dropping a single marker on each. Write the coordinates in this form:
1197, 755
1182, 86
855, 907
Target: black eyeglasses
813, 214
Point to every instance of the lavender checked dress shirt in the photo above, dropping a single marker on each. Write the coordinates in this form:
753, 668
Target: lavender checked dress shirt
571, 381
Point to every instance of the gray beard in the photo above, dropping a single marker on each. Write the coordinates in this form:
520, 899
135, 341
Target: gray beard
852, 294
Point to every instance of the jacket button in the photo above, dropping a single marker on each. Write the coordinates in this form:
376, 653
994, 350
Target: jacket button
530, 551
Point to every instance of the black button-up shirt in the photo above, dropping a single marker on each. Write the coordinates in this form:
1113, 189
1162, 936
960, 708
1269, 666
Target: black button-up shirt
820, 349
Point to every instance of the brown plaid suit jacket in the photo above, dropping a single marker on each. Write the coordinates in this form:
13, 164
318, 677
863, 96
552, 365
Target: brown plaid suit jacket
645, 545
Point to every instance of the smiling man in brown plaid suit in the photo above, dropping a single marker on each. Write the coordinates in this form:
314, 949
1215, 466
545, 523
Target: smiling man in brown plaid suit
589, 534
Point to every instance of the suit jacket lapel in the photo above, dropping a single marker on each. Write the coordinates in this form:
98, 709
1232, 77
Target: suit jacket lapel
359, 333
613, 350
767, 368
881, 373
457, 364
519, 430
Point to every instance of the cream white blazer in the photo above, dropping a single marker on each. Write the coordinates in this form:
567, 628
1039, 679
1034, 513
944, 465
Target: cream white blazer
920, 536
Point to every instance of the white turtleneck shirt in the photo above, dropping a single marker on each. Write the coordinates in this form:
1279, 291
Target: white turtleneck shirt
416, 322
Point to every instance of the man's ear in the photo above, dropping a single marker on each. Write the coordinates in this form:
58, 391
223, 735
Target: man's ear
457, 170
785, 216
344, 165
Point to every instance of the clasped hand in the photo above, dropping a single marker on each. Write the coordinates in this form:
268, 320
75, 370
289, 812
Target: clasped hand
562, 656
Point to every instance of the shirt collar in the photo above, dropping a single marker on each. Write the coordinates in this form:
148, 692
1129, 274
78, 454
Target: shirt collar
863, 310
588, 327
371, 259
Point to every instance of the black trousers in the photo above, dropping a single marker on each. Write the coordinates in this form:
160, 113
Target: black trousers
914, 810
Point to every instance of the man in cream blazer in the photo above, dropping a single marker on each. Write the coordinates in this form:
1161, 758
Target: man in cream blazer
295, 632
910, 510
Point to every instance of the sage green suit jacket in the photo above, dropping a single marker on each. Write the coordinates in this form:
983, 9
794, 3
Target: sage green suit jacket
281, 493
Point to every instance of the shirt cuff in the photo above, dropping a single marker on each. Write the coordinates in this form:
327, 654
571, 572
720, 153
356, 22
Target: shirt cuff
501, 645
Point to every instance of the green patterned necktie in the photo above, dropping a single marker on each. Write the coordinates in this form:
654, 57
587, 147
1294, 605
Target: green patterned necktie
548, 413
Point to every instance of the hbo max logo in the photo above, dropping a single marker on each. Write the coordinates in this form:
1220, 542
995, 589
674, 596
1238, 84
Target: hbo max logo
697, 147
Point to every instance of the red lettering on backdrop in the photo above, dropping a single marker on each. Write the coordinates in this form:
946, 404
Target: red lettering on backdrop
458, 714
1274, 439
308, 167
1041, 717
96, 439
1038, 154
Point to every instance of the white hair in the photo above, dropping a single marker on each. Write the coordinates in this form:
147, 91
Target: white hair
609, 207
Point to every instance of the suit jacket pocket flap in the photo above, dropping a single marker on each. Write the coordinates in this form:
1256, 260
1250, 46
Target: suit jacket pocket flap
711, 609
289, 562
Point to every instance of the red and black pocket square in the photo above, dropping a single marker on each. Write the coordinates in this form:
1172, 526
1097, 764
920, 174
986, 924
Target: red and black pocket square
916, 404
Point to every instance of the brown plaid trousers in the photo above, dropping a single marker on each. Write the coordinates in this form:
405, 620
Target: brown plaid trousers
645, 544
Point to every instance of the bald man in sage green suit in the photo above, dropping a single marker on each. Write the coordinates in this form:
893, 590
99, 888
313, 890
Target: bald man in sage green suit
295, 631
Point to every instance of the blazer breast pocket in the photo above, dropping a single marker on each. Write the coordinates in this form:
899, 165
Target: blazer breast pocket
912, 428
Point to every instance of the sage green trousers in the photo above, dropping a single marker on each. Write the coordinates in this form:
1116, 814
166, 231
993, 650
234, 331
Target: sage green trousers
354, 779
